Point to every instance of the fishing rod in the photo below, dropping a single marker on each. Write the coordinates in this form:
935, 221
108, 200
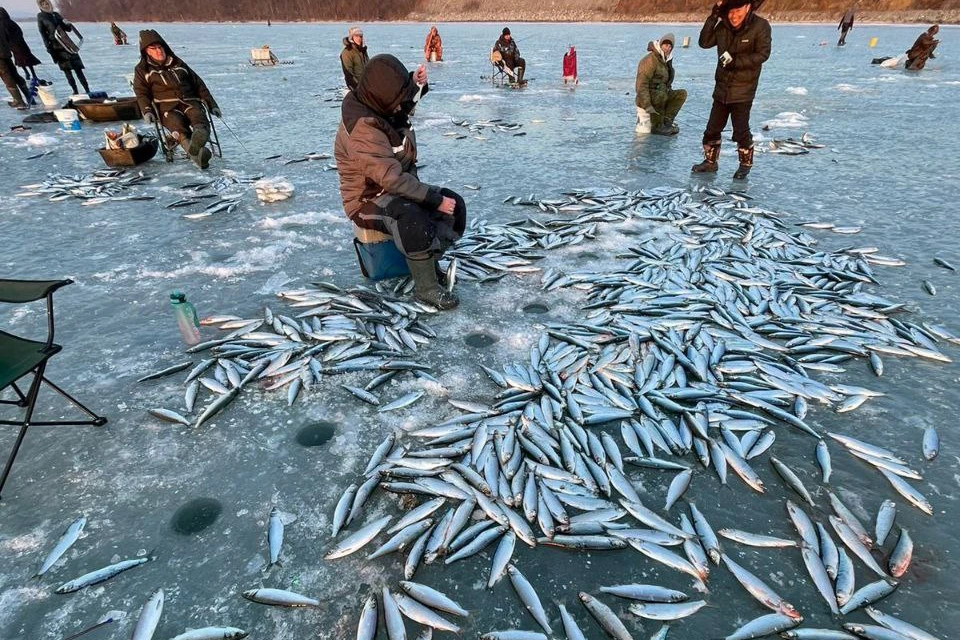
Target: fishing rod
102, 623
233, 133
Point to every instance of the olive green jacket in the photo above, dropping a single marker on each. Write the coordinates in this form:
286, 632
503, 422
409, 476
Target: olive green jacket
654, 78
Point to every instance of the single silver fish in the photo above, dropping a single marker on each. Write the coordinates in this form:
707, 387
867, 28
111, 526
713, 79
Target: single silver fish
100, 575
69, 536
149, 617
279, 598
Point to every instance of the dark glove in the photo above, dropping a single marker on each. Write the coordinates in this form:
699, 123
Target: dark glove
148, 117
717, 10
215, 111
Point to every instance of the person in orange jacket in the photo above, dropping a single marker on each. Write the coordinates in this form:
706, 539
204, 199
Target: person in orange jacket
433, 47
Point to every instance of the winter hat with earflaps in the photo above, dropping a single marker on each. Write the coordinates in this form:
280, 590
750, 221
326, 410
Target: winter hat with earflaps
736, 4
45, 6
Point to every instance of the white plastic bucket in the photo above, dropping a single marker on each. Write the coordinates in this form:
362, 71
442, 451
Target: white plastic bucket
433, 56
47, 96
643, 121
69, 119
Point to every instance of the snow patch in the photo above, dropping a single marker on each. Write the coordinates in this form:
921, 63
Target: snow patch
476, 98
797, 91
787, 119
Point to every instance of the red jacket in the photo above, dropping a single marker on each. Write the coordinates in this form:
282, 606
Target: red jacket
570, 63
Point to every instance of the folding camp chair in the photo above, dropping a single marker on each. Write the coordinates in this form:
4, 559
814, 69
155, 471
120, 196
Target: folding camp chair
20, 357
501, 75
169, 145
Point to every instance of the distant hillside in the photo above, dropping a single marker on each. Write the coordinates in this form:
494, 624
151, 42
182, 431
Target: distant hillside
946, 11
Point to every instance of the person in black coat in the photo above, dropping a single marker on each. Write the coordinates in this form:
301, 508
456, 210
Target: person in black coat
743, 44
8, 73
53, 30
22, 55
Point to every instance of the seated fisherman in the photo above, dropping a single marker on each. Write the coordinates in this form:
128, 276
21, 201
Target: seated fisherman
510, 60
163, 81
376, 154
655, 92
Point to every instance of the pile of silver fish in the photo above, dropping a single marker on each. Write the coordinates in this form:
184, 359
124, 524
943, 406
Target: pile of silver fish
792, 146
477, 129
307, 157
693, 358
225, 203
105, 185
222, 183
697, 353
332, 332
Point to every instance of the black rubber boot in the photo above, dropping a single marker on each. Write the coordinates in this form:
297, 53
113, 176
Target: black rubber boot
666, 128
746, 161
202, 159
710, 154
427, 287
197, 141
441, 274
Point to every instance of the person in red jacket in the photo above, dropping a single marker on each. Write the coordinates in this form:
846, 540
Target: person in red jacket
570, 66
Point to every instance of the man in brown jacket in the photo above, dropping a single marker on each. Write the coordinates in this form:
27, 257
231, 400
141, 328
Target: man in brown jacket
922, 49
164, 82
376, 153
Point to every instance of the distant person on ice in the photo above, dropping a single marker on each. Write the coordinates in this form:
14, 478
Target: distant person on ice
119, 37
53, 30
376, 154
570, 66
354, 57
846, 23
163, 80
743, 43
922, 49
8, 72
510, 55
655, 92
22, 55
433, 47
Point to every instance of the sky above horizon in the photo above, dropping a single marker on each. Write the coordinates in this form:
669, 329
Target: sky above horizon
20, 7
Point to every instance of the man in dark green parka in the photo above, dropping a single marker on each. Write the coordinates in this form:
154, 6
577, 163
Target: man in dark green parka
743, 44
353, 58
655, 92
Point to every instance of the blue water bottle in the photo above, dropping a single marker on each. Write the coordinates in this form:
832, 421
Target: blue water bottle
187, 319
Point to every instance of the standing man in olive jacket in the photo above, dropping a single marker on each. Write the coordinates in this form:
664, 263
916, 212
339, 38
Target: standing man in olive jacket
354, 57
376, 153
164, 80
743, 42
655, 92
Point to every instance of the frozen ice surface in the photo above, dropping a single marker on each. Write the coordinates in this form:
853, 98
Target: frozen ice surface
890, 165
